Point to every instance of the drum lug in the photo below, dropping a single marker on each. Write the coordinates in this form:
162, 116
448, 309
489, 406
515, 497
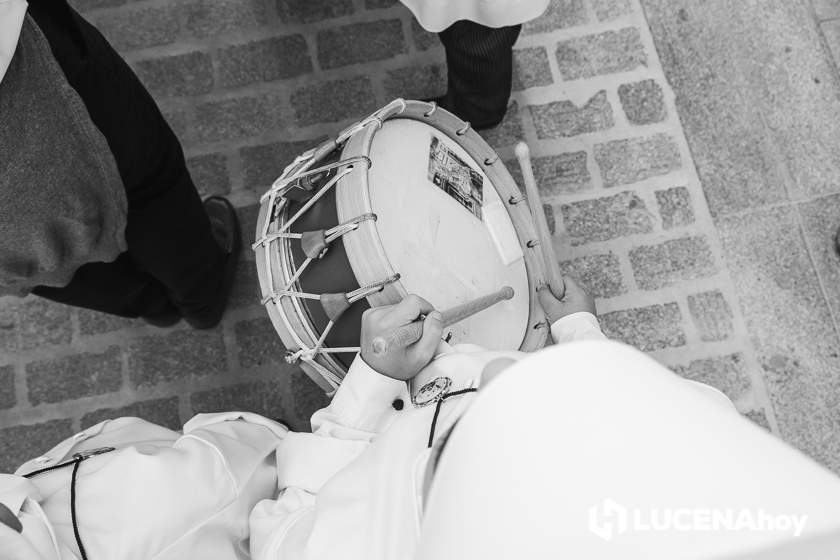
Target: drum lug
334, 305
303, 188
314, 243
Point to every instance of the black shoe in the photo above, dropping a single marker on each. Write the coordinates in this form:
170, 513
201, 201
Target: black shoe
224, 224
168, 317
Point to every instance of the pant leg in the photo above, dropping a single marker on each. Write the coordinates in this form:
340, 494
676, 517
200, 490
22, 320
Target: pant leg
118, 288
168, 233
480, 69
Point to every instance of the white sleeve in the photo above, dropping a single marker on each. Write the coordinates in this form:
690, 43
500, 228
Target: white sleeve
577, 326
361, 409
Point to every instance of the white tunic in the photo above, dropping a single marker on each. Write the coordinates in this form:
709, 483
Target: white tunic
159, 495
437, 15
12, 13
353, 488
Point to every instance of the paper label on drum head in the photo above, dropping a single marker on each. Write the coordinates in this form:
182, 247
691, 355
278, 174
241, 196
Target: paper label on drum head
455, 177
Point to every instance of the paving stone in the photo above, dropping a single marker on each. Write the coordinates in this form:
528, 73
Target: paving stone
603, 53
7, 387
308, 11
599, 274
176, 355
749, 104
207, 18
261, 397
559, 174
25, 442
560, 14
73, 377
671, 262
725, 373
258, 343
675, 207
647, 328
634, 159
423, 39
826, 9
163, 412
263, 164
264, 60
562, 119
210, 174
94, 322
44, 323
789, 322
820, 223
136, 28
8, 325
643, 102
246, 286
334, 101
530, 68
182, 74
711, 315
606, 218
307, 398
239, 117
360, 42
831, 31
607, 10
377, 4
416, 82
508, 132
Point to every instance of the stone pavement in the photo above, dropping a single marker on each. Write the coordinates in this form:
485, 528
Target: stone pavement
725, 275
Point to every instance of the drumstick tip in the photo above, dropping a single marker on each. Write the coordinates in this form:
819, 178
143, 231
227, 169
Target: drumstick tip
507, 292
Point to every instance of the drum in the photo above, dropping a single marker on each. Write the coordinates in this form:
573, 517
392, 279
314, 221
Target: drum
409, 200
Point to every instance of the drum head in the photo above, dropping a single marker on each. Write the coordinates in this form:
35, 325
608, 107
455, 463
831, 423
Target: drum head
445, 230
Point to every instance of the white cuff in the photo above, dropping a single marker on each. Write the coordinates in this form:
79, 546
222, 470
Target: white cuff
577, 326
364, 397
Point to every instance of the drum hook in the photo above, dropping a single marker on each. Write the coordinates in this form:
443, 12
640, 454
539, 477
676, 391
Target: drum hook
432, 110
462, 131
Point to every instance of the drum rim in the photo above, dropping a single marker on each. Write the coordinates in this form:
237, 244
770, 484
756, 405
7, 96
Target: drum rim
366, 239
287, 314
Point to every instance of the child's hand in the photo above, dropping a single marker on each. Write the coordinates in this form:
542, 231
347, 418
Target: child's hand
400, 362
575, 300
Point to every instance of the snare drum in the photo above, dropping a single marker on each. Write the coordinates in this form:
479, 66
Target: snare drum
409, 200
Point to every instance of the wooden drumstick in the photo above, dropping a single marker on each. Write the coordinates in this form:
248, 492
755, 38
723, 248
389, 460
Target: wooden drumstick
552, 267
411, 333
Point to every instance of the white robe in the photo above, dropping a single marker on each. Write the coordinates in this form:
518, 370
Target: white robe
437, 15
160, 495
352, 489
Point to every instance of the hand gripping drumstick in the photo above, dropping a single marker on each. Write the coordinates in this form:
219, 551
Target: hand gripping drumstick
552, 267
411, 333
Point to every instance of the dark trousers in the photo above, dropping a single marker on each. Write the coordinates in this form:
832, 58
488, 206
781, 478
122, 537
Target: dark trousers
172, 259
479, 63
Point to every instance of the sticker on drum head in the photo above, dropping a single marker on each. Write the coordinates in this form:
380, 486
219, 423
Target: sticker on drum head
454, 177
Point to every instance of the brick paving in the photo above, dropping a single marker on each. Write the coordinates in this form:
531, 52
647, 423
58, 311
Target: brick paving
249, 84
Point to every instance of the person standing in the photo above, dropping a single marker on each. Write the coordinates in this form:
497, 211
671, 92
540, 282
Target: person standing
97, 208
478, 36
